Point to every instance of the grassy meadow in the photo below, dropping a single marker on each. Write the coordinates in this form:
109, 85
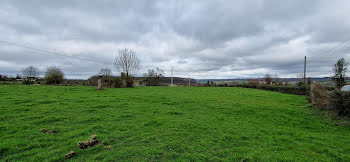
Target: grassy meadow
166, 123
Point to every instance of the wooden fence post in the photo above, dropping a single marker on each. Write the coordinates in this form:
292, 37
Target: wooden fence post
99, 83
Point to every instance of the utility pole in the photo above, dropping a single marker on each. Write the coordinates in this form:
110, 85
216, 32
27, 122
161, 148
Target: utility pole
172, 70
189, 80
305, 71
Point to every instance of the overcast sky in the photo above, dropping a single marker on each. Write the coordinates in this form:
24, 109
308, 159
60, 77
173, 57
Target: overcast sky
201, 38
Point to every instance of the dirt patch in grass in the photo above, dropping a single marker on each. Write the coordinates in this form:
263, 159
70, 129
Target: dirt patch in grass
49, 131
108, 147
87, 144
70, 155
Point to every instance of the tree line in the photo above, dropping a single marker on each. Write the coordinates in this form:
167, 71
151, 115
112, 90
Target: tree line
126, 62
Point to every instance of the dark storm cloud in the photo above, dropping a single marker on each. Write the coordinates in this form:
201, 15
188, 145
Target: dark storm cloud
204, 39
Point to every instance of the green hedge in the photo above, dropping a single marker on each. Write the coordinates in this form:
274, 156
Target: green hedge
297, 90
334, 100
340, 103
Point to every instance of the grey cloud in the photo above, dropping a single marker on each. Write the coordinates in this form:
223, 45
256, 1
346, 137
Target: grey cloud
209, 39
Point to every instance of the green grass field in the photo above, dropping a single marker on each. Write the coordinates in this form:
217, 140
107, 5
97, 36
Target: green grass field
166, 123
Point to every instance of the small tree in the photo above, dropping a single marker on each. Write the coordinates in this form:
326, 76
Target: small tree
127, 62
339, 70
54, 75
30, 74
106, 72
153, 77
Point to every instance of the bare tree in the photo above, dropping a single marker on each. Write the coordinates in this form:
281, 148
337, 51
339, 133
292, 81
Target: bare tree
277, 80
153, 77
160, 72
339, 70
128, 63
268, 79
105, 72
30, 74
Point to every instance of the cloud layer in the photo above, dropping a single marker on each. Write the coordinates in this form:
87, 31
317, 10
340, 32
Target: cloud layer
203, 39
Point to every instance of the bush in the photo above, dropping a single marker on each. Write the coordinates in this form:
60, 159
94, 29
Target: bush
129, 81
118, 82
28, 82
320, 96
109, 82
330, 99
153, 77
54, 75
115, 82
341, 102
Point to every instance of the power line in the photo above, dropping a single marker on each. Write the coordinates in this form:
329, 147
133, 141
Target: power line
331, 49
53, 53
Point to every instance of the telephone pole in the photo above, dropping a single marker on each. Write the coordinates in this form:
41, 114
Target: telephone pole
305, 71
189, 80
172, 70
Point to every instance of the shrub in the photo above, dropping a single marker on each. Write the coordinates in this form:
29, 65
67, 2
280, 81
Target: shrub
153, 77
110, 82
129, 81
330, 99
27, 82
320, 96
54, 75
117, 82
107, 81
341, 102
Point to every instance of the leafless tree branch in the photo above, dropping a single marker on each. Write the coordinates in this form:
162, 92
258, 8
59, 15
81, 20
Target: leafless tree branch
127, 61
